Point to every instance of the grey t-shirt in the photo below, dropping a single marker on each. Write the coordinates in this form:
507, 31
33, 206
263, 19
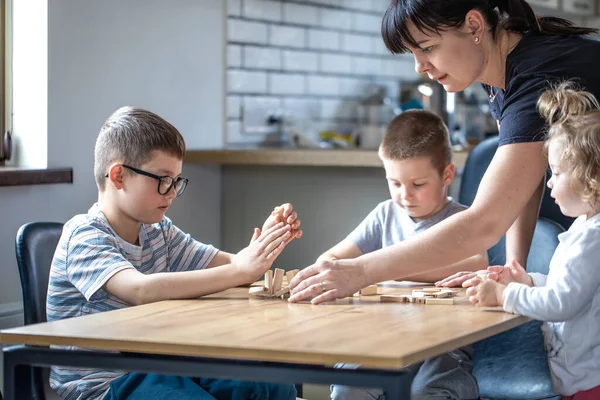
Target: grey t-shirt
389, 224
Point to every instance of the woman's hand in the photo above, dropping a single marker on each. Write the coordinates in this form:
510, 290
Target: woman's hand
459, 278
328, 280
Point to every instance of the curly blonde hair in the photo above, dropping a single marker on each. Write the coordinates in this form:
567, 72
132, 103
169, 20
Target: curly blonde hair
573, 117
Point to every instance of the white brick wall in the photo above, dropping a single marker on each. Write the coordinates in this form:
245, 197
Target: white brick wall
300, 61
262, 57
287, 84
321, 39
300, 14
312, 60
262, 9
287, 36
246, 31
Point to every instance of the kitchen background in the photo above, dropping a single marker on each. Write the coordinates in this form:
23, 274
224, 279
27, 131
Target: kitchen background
207, 66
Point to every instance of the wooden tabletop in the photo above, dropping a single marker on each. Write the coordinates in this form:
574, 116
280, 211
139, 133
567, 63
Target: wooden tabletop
231, 325
296, 157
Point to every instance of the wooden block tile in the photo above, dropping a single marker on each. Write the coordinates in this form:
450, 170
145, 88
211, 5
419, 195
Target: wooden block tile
442, 294
449, 301
392, 298
283, 291
269, 281
259, 291
370, 290
291, 274
278, 279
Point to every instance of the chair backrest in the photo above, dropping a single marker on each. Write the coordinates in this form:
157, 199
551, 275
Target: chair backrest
35, 246
513, 364
477, 163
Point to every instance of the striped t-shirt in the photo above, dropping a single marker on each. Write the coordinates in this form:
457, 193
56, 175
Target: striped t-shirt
88, 254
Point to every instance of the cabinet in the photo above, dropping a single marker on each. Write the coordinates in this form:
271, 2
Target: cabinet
580, 7
545, 3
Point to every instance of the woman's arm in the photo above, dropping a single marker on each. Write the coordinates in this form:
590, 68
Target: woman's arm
520, 234
507, 186
341, 251
474, 263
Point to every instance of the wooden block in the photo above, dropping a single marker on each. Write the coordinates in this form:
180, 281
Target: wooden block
370, 290
269, 281
391, 298
283, 291
278, 279
259, 291
449, 301
419, 293
444, 293
431, 290
291, 274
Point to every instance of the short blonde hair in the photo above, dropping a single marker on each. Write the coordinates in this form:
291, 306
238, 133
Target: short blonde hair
129, 136
573, 117
417, 133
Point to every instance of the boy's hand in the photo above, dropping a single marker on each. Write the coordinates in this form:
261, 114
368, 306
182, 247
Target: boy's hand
487, 293
254, 260
511, 272
284, 213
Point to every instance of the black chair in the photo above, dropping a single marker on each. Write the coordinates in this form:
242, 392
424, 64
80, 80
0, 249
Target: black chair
513, 364
35, 246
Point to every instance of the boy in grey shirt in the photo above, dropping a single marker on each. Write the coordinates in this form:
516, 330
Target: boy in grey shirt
417, 158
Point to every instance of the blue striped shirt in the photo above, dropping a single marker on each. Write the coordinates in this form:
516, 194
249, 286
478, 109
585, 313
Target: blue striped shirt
88, 254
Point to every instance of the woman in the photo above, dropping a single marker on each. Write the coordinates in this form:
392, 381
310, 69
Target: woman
516, 56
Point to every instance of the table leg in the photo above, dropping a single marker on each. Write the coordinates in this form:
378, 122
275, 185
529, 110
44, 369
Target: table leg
14, 373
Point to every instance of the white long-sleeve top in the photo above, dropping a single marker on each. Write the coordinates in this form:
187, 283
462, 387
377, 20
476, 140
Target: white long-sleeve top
568, 301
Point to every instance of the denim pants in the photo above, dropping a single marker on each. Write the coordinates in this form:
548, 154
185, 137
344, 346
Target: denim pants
137, 386
446, 377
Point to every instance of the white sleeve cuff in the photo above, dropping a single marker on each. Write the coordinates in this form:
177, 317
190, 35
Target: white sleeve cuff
538, 279
510, 296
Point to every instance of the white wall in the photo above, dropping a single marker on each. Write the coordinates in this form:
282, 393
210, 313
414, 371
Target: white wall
167, 56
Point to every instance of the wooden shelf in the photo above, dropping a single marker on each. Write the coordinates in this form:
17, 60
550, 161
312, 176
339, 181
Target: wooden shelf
295, 157
15, 176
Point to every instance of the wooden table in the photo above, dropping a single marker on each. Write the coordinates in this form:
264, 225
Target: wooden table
229, 335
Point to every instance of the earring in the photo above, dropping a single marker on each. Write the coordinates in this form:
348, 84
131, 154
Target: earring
476, 40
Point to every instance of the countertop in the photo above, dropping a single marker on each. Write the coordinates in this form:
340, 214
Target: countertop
277, 156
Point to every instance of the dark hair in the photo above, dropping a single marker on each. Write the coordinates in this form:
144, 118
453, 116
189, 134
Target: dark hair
433, 16
129, 136
416, 133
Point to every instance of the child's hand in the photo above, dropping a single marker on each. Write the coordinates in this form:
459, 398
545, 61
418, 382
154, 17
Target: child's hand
487, 293
254, 260
511, 272
284, 213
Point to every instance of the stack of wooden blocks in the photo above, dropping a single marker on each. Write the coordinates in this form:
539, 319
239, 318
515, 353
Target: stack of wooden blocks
422, 296
274, 285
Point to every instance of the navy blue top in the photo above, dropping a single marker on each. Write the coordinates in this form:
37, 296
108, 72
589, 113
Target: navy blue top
535, 63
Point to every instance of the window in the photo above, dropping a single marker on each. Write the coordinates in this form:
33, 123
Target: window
5, 141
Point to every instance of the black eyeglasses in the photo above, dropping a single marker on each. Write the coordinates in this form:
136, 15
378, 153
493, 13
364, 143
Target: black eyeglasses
165, 183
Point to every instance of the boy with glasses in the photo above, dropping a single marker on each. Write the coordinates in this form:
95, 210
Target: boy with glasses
125, 252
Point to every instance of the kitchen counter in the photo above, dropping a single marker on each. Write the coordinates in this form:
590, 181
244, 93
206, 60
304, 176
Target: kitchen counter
295, 157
